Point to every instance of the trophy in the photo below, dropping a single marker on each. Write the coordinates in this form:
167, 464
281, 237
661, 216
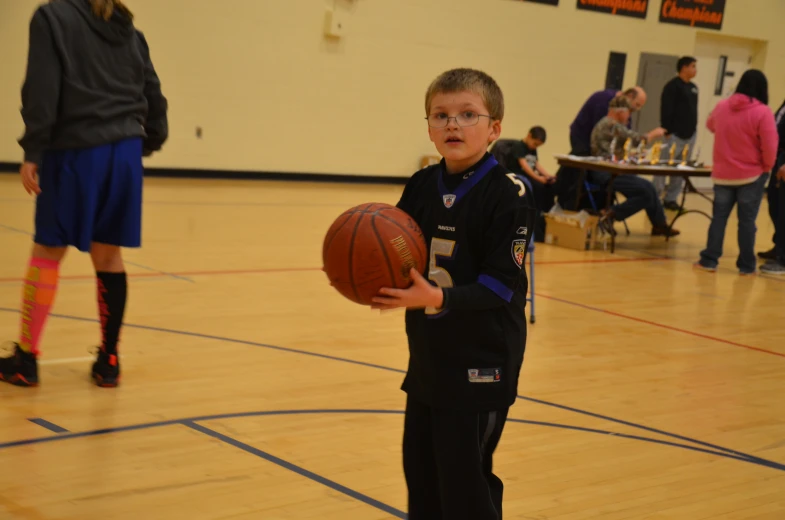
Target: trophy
684, 155
672, 154
656, 150
627, 146
640, 154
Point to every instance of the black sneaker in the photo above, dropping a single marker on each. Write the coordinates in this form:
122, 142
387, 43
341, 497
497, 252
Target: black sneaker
771, 254
106, 370
20, 369
773, 267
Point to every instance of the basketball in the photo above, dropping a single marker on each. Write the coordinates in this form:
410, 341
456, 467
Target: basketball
371, 246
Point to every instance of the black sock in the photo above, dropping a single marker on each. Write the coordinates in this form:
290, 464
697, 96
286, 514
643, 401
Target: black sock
112, 293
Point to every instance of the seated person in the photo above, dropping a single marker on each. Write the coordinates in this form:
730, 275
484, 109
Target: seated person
520, 157
568, 186
639, 192
525, 151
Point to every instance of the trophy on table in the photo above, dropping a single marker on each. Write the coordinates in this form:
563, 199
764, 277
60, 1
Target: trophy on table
685, 154
656, 150
640, 154
627, 146
672, 154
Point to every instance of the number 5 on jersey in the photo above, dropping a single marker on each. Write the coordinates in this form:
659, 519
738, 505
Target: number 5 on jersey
440, 248
516, 180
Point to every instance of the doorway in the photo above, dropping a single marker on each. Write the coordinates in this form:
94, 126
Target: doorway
738, 55
654, 71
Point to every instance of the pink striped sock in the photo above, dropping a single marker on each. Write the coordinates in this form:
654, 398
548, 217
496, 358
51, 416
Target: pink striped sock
37, 298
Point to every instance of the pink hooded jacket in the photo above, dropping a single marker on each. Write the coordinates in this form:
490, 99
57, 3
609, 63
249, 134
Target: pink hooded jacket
745, 140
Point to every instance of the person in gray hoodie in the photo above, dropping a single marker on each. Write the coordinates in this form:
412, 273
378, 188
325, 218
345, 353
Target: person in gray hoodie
92, 107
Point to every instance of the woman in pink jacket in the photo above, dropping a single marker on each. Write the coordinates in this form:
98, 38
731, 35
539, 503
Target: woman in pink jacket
745, 148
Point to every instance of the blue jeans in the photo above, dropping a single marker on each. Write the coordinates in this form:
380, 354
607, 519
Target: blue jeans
748, 197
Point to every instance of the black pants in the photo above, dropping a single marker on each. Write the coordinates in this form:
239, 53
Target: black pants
639, 194
776, 197
448, 463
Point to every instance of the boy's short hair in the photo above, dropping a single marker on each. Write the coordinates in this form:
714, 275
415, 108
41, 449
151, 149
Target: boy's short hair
684, 61
468, 80
620, 103
539, 133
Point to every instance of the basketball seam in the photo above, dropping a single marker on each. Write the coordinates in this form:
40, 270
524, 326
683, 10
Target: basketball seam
384, 250
351, 256
424, 260
335, 233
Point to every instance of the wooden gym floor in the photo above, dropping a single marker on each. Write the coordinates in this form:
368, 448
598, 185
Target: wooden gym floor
252, 390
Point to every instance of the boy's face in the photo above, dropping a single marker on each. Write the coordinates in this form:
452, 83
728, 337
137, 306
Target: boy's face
462, 146
532, 143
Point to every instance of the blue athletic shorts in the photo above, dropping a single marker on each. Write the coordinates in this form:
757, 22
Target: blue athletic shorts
91, 195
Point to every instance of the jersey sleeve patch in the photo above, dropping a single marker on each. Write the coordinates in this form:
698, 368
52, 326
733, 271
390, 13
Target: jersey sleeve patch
518, 251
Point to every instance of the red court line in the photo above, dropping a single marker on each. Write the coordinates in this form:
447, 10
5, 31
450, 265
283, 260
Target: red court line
663, 326
303, 269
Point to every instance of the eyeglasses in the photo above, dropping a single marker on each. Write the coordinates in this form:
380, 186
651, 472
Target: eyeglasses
441, 120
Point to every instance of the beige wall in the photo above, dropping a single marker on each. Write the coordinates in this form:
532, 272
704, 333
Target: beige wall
271, 93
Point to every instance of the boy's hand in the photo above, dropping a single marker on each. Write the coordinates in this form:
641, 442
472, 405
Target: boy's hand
28, 172
420, 294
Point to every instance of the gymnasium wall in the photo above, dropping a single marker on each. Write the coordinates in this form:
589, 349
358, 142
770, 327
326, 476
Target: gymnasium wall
271, 93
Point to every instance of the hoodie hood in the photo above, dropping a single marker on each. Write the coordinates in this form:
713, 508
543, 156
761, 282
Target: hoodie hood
117, 31
739, 102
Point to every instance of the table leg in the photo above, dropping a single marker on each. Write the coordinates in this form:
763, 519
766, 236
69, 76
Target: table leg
689, 187
608, 201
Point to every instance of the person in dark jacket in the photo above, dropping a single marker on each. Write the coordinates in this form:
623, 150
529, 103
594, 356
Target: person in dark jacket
92, 107
779, 117
776, 194
594, 109
679, 117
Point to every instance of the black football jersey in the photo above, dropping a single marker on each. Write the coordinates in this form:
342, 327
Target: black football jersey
477, 225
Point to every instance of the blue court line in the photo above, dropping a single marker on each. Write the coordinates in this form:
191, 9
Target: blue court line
154, 270
396, 370
268, 413
52, 427
297, 469
215, 204
178, 277
16, 230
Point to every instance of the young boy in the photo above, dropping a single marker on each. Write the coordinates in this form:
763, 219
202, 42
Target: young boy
467, 333
92, 106
523, 159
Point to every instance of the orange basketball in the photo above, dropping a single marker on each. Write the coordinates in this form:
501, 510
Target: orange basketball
372, 246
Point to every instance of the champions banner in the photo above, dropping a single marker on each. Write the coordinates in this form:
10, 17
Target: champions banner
633, 8
695, 13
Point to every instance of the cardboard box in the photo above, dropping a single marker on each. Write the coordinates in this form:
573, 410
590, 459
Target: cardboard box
567, 229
